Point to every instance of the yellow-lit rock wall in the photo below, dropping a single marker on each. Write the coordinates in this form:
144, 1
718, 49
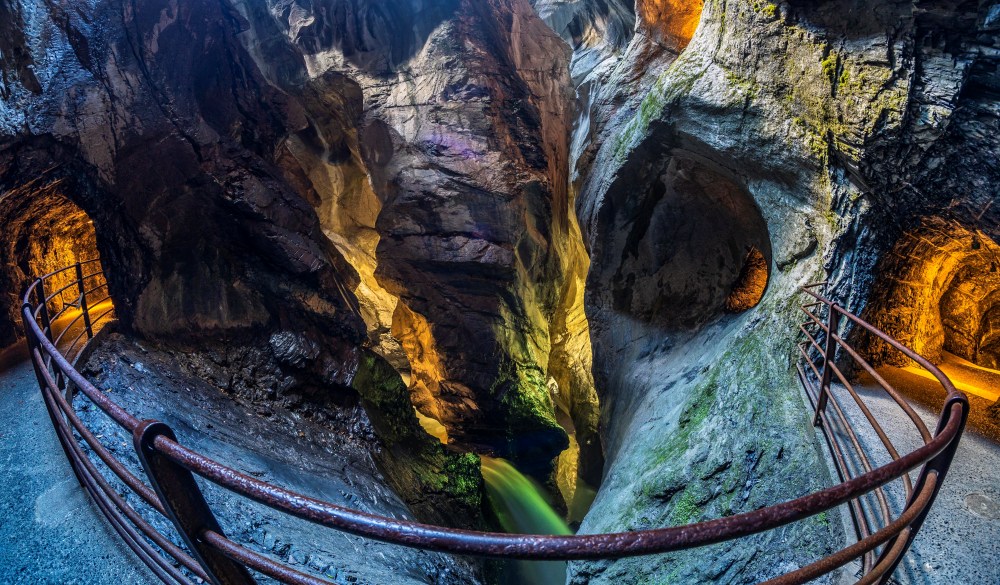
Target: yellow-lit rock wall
670, 22
937, 288
42, 232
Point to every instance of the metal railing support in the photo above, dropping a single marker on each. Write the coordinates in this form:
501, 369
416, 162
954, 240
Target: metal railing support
185, 505
171, 468
46, 322
83, 301
37, 364
829, 353
939, 466
43, 311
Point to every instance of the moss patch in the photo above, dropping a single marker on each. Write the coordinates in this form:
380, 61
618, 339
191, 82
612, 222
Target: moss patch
438, 484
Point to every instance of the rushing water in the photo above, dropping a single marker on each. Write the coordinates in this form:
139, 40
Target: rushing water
522, 509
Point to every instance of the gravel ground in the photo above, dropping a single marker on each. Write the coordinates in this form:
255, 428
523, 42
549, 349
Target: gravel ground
958, 542
50, 531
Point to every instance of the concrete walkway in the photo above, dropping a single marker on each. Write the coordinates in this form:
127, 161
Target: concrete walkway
50, 531
958, 543
967, 376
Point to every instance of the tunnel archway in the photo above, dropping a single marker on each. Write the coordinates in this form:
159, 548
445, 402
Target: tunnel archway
938, 291
43, 232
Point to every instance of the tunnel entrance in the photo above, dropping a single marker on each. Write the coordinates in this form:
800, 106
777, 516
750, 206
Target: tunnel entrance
938, 292
43, 232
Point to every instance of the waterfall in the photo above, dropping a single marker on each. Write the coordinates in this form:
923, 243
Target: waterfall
522, 509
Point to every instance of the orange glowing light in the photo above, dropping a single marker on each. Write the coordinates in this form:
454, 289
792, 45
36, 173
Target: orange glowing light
426, 368
432, 427
939, 293
671, 22
70, 318
750, 284
967, 376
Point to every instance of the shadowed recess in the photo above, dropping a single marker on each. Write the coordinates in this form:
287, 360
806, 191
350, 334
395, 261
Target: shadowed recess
694, 246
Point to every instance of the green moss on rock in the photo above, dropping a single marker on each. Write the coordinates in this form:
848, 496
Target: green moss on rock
438, 484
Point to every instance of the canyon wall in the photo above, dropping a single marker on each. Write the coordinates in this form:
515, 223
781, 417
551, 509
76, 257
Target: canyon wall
440, 173
816, 134
330, 203
155, 123
497, 212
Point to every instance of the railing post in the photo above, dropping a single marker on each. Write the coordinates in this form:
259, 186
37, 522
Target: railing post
44, 310
46, 321
185, 505
939, 465
829, 354
83, 301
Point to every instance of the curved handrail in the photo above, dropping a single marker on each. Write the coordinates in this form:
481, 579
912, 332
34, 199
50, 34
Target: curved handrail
167, 464
543, 546
819, 391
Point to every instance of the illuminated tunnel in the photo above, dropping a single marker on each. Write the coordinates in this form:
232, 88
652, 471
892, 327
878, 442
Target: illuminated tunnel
43, 231
938, 292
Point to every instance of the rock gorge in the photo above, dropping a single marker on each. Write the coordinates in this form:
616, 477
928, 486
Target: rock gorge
567, 233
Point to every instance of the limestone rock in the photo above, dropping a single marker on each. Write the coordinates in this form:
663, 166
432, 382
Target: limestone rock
818, 115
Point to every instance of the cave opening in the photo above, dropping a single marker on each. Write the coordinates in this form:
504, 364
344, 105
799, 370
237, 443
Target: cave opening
938, 292
45, 231
696, 248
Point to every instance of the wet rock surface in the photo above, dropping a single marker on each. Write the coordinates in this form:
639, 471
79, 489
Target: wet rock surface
247, 165
807, 108
500, 211
331, 462
464, 134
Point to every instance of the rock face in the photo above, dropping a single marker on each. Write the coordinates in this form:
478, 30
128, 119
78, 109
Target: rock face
163, 134
156, 123
284, 185
442, 177
495, 211
275, 445
801, 128
940, 291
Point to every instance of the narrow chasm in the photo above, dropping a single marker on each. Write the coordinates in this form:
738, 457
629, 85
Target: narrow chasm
470, 272
530, 266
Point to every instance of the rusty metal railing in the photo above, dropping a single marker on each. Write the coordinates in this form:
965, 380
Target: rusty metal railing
170, 469
818, 371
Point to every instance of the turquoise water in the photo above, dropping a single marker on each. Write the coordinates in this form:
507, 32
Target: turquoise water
521, 507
